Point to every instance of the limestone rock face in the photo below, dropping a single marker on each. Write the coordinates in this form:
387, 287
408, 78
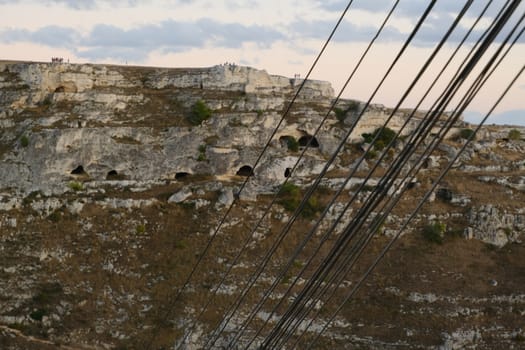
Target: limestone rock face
112, 181
494, 226
96, 124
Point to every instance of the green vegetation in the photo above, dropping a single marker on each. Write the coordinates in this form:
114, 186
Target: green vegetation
292, 143
290, 197
434, 232
182, 244
384, 137
24, 141
371, 154
38, 314
76, 186
514, 135
199, 113
54, 216
31, 197
202, 153
140, 229
48, 294
341, 113
467, 134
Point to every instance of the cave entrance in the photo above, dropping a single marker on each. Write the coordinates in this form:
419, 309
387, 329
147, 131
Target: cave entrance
112, 175
287, 172
245, 170
60, 89
79, 170
181, 175
303, 141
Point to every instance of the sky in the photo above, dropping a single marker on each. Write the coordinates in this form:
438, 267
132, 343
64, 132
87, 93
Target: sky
282, 37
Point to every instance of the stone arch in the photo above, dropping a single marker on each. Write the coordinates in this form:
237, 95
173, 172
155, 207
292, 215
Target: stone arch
288, 172
79, 170
245, 170
303, 141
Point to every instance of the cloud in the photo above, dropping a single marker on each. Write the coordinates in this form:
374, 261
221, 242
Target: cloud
53, 36
514, 117
77, 4
347, 31
108, 41
441, 17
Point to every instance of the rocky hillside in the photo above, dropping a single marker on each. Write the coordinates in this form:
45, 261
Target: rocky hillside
112, 179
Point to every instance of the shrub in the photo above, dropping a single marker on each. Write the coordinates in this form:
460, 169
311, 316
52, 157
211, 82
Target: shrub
38, 314
76, 186
292, 143
371, 154
340, 114
140, 229
54, 216
434, 232
466, 134
290, 197
353, 106
24, 141
514, 135
199, 113
202, 153
384, 137
311, 208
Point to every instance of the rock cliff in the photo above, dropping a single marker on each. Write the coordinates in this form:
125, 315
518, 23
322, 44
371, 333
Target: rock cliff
109, 190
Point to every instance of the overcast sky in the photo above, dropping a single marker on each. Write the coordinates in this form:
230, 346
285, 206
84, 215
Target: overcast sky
281, 36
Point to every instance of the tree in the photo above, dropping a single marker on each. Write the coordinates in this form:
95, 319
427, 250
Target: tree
199, 113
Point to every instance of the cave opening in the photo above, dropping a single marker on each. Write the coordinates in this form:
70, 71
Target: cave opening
181, 175
112, 175
287, 172
79, 170
303, 141
245, 170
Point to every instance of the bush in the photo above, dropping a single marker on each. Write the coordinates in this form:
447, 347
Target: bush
384, 137
202, 153
140, 229
466, 134
434, 232
514, 135
353, 106
292, 143
340, 114
290, 197
24, 141
199, 113
76, 186
38, 314
371, 154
